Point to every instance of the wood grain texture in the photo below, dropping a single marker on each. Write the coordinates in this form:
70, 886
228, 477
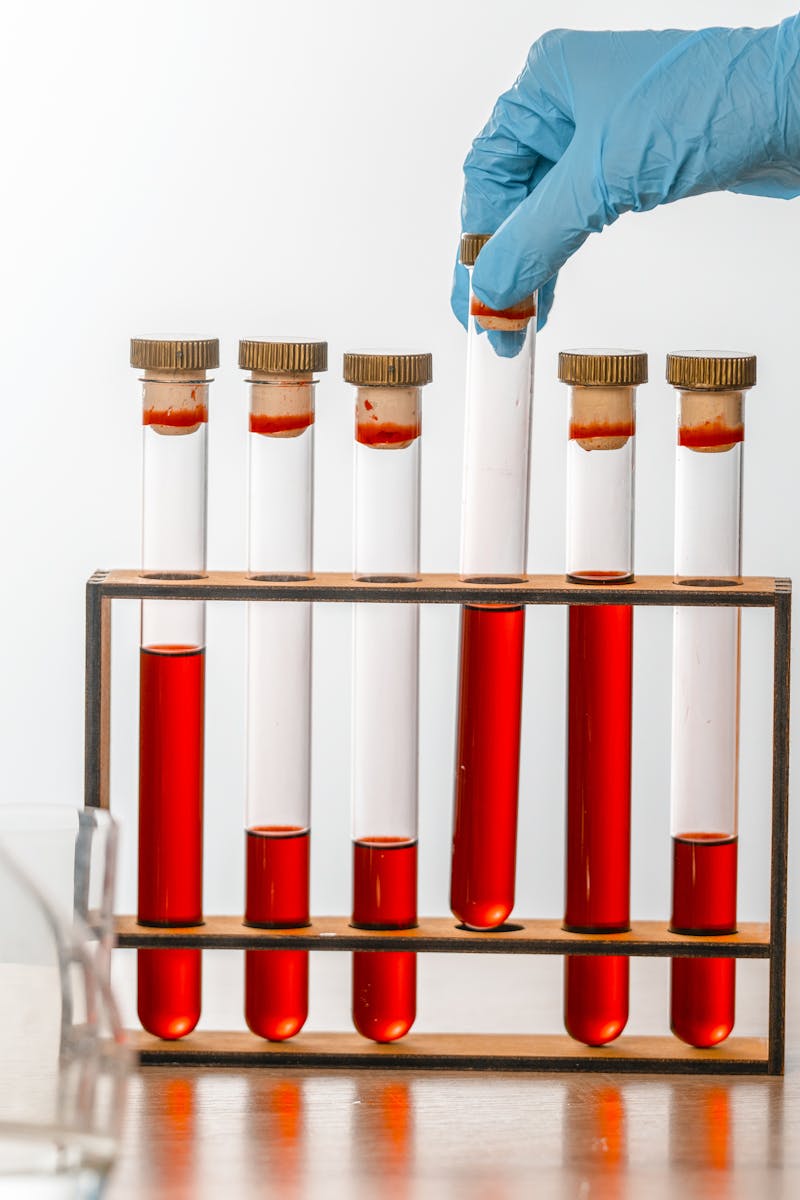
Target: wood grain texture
753, 591
440, 1051
439, 935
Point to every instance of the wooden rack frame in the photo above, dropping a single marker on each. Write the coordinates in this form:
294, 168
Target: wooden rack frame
738, 1055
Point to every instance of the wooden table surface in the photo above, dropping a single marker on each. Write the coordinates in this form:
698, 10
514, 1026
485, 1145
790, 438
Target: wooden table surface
238, 1134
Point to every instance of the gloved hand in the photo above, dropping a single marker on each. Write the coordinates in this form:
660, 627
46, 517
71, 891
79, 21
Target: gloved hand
599, 124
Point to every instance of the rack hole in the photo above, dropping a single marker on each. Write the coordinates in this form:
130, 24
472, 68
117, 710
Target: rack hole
709, 582
281, 578
600, 580
509, 927
494, 579
387, 578
172, 576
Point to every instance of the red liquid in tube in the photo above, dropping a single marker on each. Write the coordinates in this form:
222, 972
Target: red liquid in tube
169, 984
385, 433
170, 831
703, 990
487, 765
617, 429
598, 814
523, 311
177, 418
276, 981
384, 897
710, 435
269, 424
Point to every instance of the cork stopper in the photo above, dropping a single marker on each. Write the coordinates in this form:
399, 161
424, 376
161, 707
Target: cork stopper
509, 320
602, 418
281, 406
602, 401
388, 418
710, 422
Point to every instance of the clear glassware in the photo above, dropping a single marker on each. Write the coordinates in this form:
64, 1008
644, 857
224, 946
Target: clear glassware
385, 682
175, 391
600, 511
494, 537
704, 779
278, 807
63, 1059
497, 434
600, 462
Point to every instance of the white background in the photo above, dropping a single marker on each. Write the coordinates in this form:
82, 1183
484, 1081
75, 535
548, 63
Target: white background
245, 169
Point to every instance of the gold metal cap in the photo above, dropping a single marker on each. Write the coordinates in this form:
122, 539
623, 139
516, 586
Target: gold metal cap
712, 372
388, 370
602, 368
283, 357
471, 246
190, 354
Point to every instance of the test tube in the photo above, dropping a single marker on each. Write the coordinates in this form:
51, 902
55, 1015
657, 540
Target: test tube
172, 673
385, 683
705, 684
277, 827
600, 506
494, 536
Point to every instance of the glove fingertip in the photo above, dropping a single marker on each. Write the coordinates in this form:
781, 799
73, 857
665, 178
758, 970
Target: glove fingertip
546, 297
459, 294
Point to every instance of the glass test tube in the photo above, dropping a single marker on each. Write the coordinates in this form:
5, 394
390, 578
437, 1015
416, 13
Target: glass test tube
494, 536
600, 475
705, 685
172, 667
277, 826
385, 683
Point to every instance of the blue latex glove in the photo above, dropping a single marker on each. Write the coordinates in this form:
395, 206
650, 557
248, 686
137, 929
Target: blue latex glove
599, 124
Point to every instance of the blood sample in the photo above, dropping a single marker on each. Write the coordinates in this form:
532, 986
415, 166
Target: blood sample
705, 684
490, 687
703, 901
600, 462
384, 897
175, 416
277, 833
385, 683
494, 535
598, 815
276, 981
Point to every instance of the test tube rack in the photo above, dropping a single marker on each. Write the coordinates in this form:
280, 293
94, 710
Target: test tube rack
532, 1052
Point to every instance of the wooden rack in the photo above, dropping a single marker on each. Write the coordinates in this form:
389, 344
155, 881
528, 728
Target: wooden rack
737, 1055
